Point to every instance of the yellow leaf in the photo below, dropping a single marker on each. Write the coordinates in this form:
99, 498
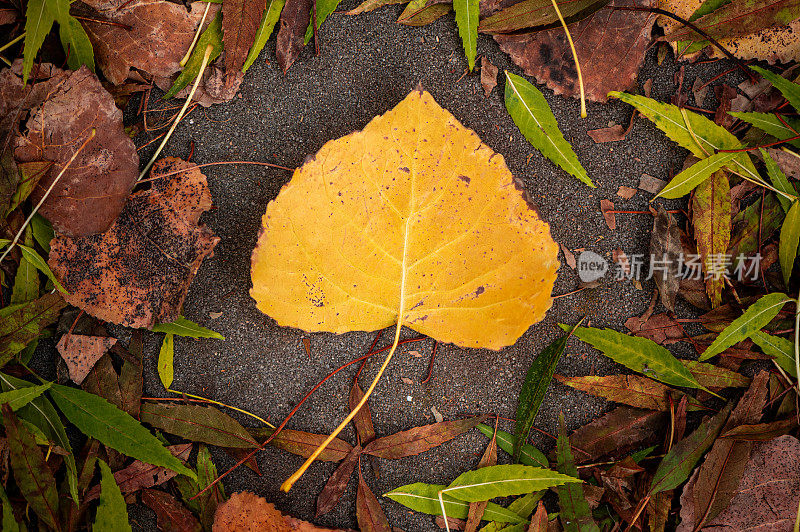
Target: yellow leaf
414, 217
412, 221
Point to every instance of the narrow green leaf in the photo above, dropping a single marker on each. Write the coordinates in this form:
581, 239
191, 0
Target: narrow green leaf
166, 371
268, 21
423, 12
26, 280
530, 455
38, 22
42, 231
769, 124
533, 389
467, 20
33, 475
30, 174
9, 524
712, 376
213, 36
76, 43
779, 348
754, 318
112, 512
425, 498
790, 237
687, 180
184, 327
20, 397
779, 180
39, 263
21, 324
532, 14
639, 354
99, 419
197, 423
790, 91
324, 8
575, 513
678, 464
504, 481
533, 117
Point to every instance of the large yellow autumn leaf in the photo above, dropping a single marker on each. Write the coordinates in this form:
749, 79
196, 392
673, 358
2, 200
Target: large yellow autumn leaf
412, 221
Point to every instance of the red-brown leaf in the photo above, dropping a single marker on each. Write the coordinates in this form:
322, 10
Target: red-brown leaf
305, 443
171, 515
614, 432
369, 513
294, 21
420, 439
81, 353
240, 22
631, 390
363, 419
337, 482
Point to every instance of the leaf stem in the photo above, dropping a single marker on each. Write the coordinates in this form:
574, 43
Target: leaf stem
203, 65
196, 36
13, 42
574, 56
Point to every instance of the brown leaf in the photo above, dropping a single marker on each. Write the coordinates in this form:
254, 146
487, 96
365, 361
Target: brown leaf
631, 390
626, 192
651, 184
610, 45
305, 443
453, 522
369, 513
488, 76
15, 97
658, 510
614, 432
80, 353
171, 515
92, 191
420, 439
148, 257
539, 519
240, 22
609, 217
711, 218
789, 164
568, 256
660, 328
294, 21
608, 134
761, 431
159, 35
337, 482
247, 511
363, 419
665, 249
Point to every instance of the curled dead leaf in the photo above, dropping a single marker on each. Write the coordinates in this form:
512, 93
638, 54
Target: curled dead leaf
80, 353
247, 511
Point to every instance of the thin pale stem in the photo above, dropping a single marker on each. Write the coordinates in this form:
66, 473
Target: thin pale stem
213, 402
444, 513
46, 195
196, 36
178, 118
13, 42
575, 56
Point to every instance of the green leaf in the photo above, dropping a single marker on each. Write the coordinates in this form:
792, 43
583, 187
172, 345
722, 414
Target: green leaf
575, 513
504, 481
76, 43
42, 231
533, 389
639, 354
166, 370
533, 117
678, 464
198, 423
21, 324
781, 349
38, 22
467, 20
26, 280
213, 36
99, 419
422, 12
754, 318
112, 512
184, 327
790, 237
712, 376
779, 180
39, 263
30, 174
425, 498
684, 182
531, 14
33, 475
530, 455
324, 8
790, 91
9, 524
268, 21
20, 397
771, 125
755, 224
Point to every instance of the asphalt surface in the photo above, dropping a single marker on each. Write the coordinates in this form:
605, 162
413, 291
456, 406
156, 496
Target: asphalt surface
367, 64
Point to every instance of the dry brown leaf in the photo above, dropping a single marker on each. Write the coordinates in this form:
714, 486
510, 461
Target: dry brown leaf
488, 76
609, 217
661, 328
788, 162
159, 37
626, 192
610, 45
92, 191
651, 184
247, 511
81, 353
294, 21
137, 273
569, 257
16, 98
665, 248
608, 134
240, 22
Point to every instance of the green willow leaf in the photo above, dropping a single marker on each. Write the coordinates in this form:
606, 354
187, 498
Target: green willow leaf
213, 36
99, 419
197, 423
268, 21
779, 181
42, 231
112, 512
39, 263
530, 14
423, 12
533, 117
467, 20
790, 91
425, 498
74, 39
184, 327
533, 389
21, 324
20, 397
687, 180
324, 9
790, 237
166, 355
769, 124
678, 464
754, 318
530, 455
575, 513
26, 280
504, 481
781, 349
639, 354
38, 23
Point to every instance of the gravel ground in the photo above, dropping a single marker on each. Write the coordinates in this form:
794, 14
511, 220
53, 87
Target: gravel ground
366, 66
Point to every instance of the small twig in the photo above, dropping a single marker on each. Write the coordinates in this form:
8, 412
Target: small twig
430, 364
175, 172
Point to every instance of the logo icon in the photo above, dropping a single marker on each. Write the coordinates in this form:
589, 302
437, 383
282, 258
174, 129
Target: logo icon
591, 266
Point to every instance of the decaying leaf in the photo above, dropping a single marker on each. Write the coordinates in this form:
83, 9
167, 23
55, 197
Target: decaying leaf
82, 352
240, 22
609, 217
15, 97
137, 273
419, 439
431, 189
337, 482
247, 511
711, 217
369, 513
159, 35
171, 515
666, 247
92, 191
610, 45
294, 21
615, 432
24, 322
488, 76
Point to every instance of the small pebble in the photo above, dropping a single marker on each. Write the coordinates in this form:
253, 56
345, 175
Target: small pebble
408, 398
